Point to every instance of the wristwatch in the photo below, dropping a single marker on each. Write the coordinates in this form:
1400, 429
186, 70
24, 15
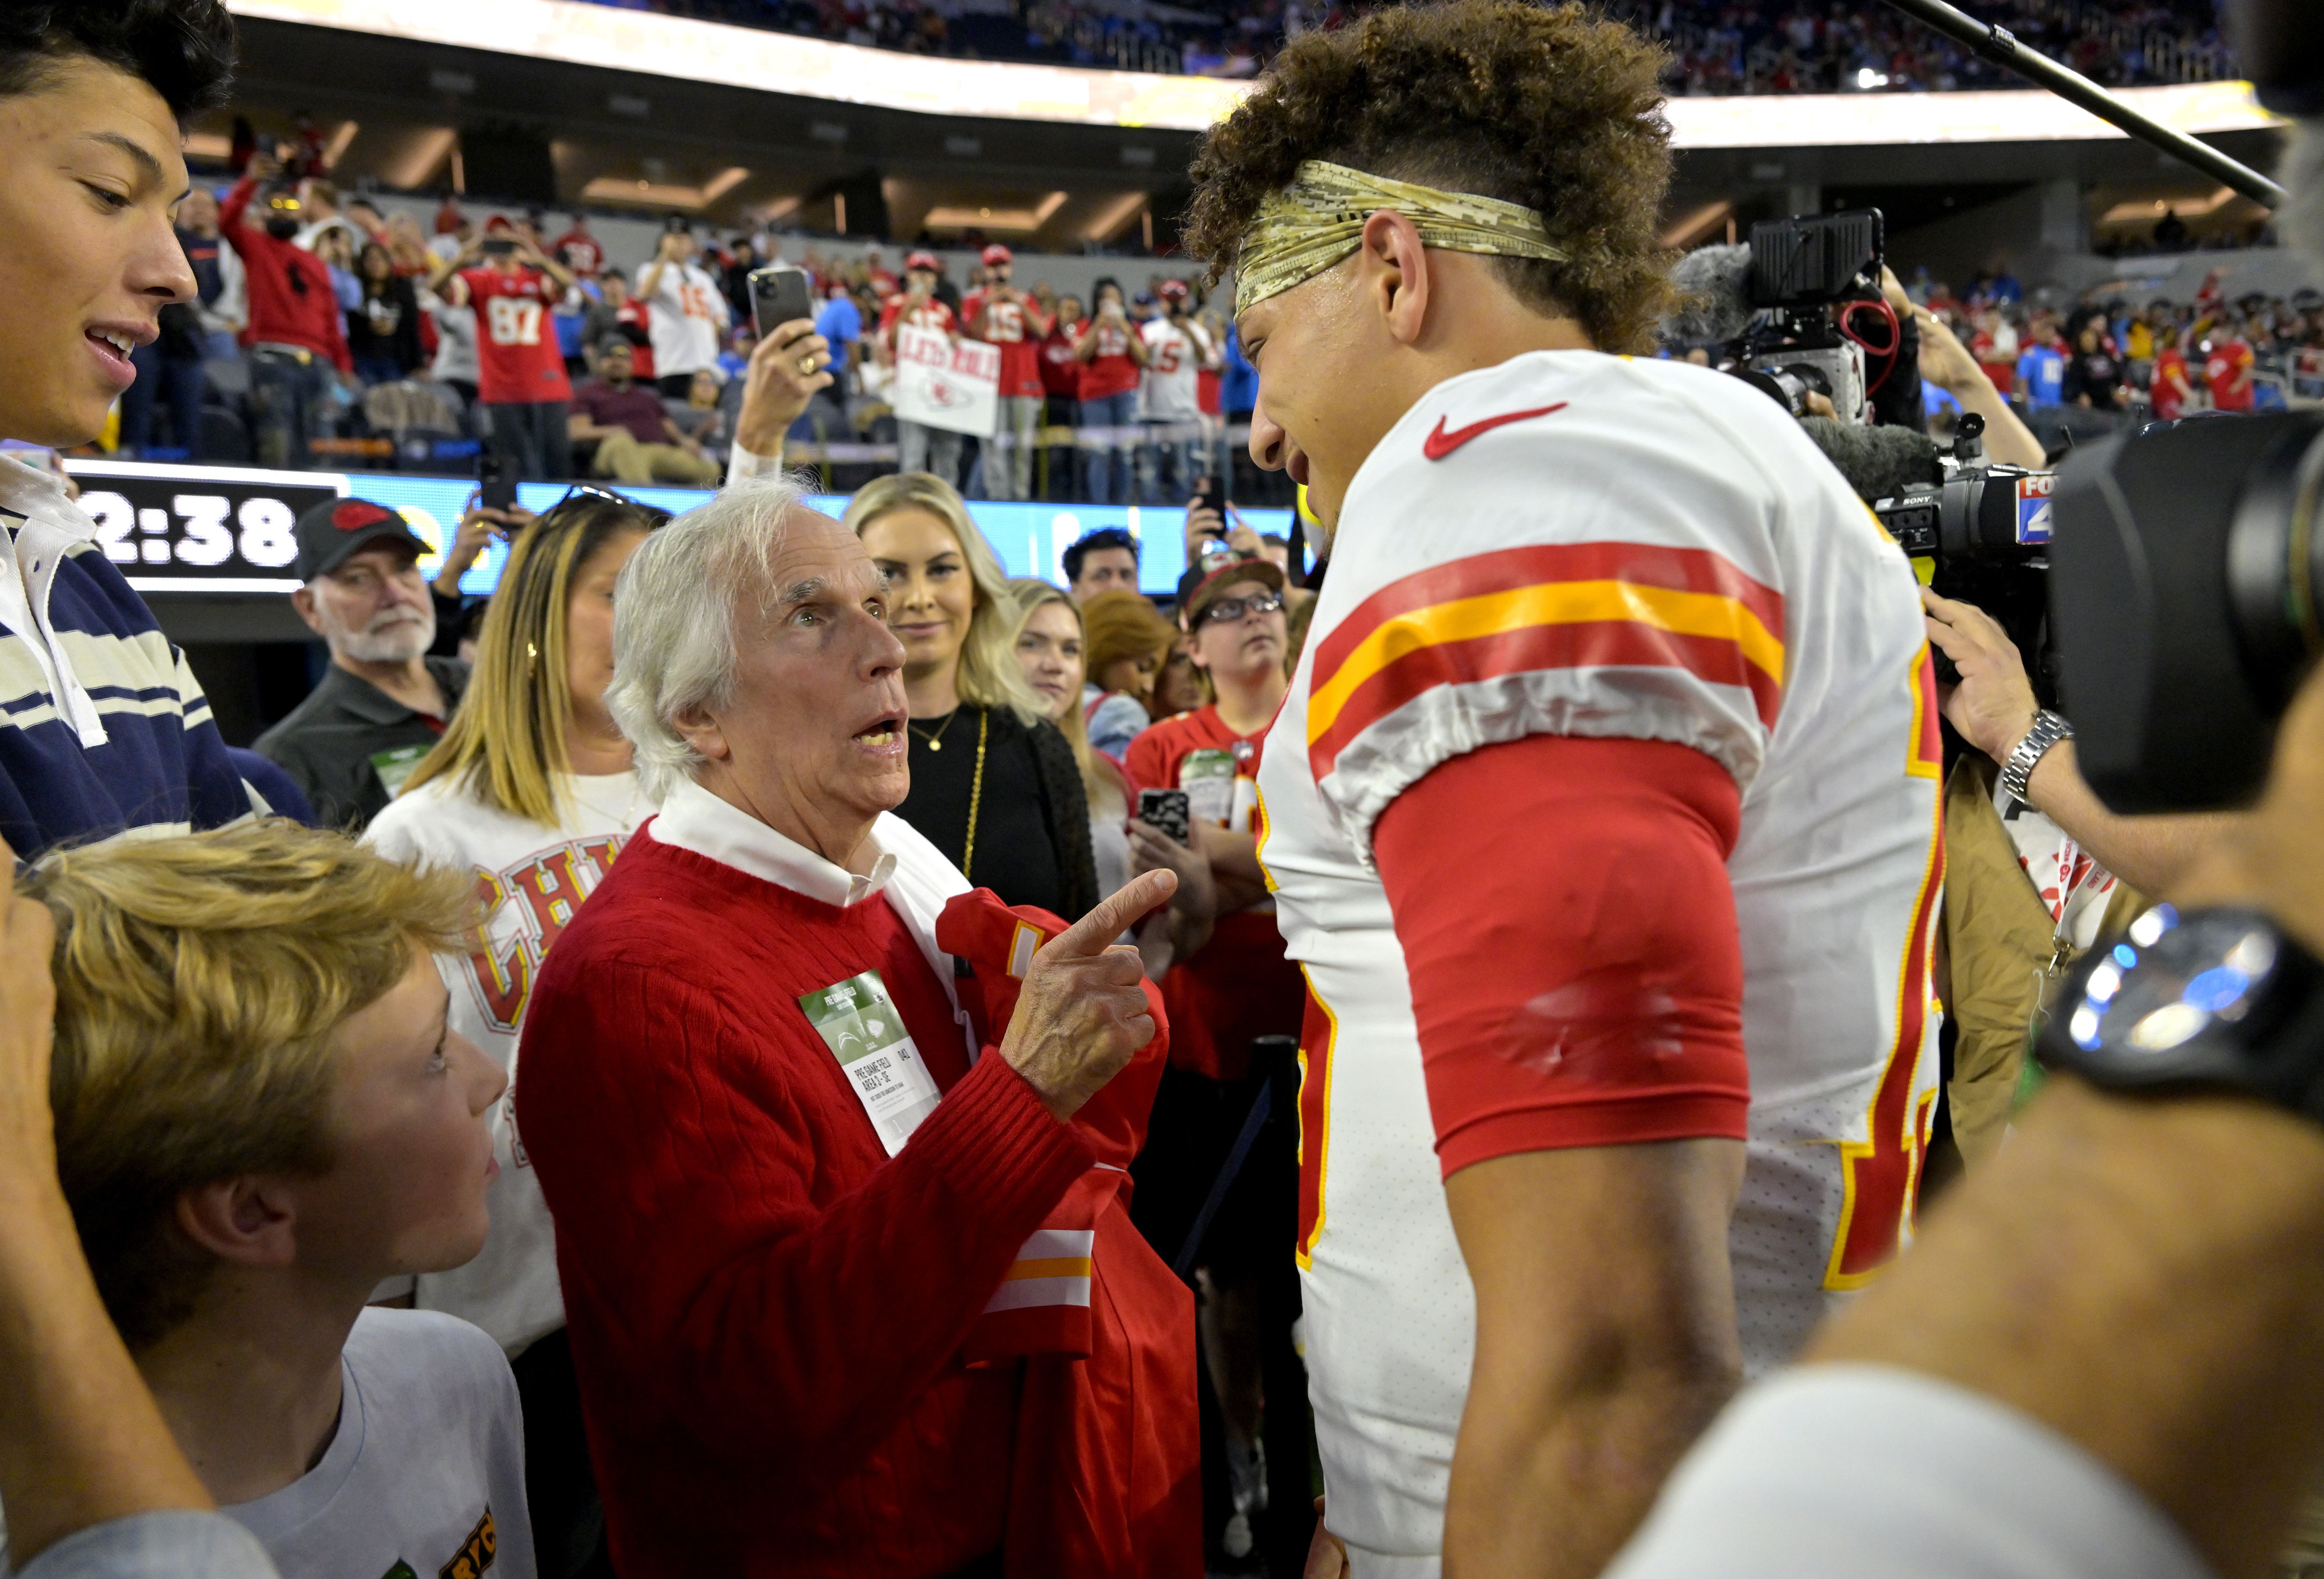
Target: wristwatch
2016, 773
2216, 999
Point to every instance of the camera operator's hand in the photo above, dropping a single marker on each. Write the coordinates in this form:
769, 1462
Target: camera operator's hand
1946, 363
787, 369
1993, 705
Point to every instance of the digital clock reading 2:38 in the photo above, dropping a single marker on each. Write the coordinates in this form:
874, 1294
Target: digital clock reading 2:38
215, 532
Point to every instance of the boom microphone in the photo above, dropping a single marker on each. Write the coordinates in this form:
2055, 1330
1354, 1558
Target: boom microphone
1879, 462
1714, 287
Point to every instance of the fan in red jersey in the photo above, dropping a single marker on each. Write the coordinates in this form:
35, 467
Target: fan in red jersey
1000, 312
521, 373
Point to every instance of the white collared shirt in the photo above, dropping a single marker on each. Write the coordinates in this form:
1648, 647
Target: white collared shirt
717, 830
911, 874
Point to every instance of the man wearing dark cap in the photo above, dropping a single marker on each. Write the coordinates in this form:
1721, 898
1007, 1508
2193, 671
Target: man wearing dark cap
1235, 987
384, 702
999, 312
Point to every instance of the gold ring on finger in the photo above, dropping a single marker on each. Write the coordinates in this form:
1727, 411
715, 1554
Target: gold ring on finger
806, 364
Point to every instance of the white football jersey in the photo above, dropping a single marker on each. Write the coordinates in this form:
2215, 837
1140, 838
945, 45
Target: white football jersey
1175, 353
1581, 544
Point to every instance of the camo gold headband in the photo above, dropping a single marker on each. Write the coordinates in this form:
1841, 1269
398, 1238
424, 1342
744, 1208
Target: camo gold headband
1319, 218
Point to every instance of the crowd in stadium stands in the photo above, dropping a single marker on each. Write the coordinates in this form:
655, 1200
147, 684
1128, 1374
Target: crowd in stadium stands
1718, 46
330, 335
2106, 362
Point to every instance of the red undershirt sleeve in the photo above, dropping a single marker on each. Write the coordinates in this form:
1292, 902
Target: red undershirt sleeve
1569, 931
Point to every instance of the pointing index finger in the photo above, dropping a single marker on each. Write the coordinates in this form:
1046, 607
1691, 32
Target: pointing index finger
1111, 917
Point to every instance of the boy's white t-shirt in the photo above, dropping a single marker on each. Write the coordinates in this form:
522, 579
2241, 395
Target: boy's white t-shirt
529, 880
425, 1475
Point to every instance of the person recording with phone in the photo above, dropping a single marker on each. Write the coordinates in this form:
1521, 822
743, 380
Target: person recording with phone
998, 311
791, 365
687, 312
297, 332
522, 390
1112, 353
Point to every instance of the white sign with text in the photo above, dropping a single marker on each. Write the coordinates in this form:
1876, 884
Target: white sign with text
941, 382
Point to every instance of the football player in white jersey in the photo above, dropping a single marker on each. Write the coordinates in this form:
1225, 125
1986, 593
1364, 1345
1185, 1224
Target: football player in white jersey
1601, 811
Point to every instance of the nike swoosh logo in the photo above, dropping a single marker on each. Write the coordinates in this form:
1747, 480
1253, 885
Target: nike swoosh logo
1440, 444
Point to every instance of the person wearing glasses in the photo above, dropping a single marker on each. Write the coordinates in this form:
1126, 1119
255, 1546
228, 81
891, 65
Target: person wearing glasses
384, 701
532, 791
1232, 989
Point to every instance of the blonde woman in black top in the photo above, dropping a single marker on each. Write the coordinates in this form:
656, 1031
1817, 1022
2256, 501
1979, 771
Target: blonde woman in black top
994, 785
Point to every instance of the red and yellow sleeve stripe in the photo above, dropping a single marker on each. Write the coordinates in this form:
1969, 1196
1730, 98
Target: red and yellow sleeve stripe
1549, 605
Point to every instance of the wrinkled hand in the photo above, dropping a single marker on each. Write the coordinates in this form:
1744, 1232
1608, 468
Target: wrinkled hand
28, 998
1993, 705
787, 369
1083, 1015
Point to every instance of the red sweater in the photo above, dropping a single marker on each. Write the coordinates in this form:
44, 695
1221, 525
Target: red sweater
279, 313
767, 1311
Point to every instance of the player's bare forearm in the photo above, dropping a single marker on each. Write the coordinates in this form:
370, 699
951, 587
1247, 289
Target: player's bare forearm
2151, 854
1605, 1342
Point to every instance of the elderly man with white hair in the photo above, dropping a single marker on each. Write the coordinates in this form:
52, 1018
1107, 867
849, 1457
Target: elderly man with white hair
810, 1239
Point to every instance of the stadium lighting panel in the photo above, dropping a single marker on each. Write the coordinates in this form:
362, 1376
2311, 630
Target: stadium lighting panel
649, 42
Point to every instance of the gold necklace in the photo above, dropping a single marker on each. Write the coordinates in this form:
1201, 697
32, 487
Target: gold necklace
936, 742
975, 789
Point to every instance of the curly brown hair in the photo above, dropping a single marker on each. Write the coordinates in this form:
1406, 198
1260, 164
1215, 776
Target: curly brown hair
1549, 106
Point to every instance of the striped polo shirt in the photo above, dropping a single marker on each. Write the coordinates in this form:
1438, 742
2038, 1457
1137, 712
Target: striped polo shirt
103, 728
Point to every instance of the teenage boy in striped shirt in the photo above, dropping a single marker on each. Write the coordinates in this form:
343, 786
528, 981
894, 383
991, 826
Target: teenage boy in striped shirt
103, 728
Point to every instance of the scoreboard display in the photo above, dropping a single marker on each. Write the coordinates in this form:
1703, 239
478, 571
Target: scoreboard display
187, 530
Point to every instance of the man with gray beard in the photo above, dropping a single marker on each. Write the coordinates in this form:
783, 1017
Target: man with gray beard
383, 702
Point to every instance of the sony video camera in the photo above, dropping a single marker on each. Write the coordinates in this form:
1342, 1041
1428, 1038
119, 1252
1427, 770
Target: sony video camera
1987, 527
1790, 303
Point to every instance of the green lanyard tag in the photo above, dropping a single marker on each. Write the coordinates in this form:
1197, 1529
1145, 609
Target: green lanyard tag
394, 766
861, 1026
